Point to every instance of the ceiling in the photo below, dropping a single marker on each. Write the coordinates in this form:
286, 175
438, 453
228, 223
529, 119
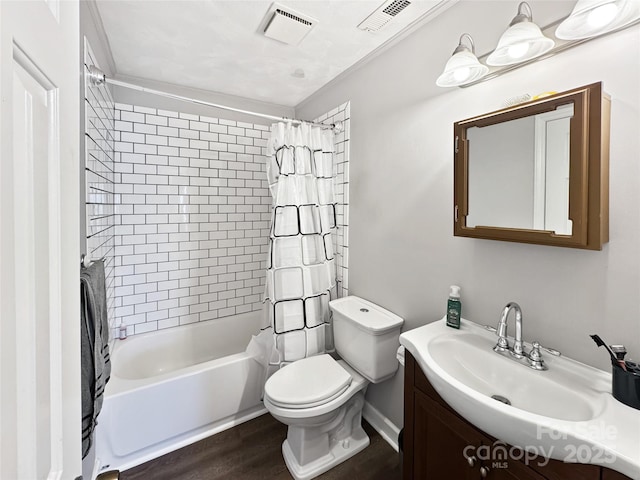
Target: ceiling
218, 45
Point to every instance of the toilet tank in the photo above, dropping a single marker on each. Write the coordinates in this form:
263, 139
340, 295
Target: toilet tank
366, 337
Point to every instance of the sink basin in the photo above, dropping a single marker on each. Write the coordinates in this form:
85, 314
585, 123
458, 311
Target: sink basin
470, 359
555, 413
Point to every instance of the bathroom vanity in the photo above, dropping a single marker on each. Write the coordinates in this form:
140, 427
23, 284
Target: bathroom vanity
439, 443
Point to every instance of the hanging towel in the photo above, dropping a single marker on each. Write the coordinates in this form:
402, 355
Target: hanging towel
95, 363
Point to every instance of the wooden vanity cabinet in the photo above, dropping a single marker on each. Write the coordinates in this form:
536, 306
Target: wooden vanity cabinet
440, 438
435, 439
611, 475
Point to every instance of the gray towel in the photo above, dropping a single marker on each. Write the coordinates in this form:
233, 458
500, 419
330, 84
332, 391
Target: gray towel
95, 363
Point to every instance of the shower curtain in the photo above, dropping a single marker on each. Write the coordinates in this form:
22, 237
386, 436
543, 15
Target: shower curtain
301, 272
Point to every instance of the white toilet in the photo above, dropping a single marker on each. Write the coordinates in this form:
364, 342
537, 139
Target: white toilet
321, 399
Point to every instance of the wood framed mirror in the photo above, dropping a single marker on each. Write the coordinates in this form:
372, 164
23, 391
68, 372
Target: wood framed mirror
537, 172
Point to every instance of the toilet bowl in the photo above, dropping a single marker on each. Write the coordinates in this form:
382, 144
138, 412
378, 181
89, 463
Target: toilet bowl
321, 398
327, 429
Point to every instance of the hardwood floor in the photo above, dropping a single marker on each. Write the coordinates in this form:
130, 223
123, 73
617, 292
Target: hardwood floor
253, 451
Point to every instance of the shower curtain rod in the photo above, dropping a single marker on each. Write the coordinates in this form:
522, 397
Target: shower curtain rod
98, 77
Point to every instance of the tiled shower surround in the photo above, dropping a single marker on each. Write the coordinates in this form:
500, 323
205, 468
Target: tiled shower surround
193, 218
341, 176
193, 213
99, 177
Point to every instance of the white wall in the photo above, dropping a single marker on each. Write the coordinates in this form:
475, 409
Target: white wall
143, 99
403, 255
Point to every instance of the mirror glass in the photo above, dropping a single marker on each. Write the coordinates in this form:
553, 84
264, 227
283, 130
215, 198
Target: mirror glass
518, 173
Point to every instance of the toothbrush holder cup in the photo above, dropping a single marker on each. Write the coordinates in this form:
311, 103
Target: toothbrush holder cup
626, 387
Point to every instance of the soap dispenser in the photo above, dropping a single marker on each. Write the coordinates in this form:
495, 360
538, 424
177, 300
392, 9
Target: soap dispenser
454, 307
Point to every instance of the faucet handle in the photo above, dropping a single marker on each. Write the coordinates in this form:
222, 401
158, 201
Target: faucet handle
552, 351
502, 345
501, 332
535, 351
535, 357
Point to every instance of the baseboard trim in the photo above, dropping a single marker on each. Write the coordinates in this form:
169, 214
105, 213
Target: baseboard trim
381, 424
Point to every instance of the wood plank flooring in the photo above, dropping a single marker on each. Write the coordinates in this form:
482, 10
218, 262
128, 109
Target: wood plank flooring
253, 451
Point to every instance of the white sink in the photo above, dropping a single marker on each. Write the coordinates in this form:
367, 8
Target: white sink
566, 412
469, 358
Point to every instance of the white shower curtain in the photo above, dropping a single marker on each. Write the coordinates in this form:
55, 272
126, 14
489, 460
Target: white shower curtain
301, 272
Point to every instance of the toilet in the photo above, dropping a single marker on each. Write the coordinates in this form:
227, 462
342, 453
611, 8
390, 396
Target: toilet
321, 398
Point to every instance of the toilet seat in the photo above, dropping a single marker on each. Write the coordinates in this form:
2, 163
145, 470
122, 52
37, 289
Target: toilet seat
307, 383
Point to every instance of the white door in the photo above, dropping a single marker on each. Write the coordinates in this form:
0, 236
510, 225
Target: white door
39, 240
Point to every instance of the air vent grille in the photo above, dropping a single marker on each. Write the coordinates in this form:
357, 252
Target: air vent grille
294, 17
396, 7
383, 15
286, 25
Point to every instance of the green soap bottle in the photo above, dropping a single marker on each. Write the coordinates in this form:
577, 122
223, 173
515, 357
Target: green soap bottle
454, 307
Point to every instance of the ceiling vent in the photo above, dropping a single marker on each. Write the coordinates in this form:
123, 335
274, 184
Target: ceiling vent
383, 15
287, 25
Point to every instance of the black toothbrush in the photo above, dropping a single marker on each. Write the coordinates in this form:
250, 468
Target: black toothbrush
614, 359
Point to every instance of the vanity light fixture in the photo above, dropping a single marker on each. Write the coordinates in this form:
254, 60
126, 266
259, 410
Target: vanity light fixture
463, 67
591, 18
522, 41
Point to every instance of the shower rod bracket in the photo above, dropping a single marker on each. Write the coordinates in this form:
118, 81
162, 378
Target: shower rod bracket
97, 77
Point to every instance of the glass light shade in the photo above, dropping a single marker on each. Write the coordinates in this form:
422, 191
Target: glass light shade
521, 42
462, 68
590, 18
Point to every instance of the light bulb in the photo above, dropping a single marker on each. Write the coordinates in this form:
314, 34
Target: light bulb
518, 50
602, 15
461, 74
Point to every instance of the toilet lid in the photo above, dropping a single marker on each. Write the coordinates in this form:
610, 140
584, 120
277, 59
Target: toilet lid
307, 383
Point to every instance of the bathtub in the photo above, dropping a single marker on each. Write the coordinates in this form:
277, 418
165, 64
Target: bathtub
176, 386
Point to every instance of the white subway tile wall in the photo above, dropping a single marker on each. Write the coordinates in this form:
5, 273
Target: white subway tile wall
341, 175
192, 215
100, 178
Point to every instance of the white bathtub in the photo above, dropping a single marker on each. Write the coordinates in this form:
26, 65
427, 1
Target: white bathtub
174, 387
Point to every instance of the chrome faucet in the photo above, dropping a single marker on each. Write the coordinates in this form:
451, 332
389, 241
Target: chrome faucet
534, 358
503, 342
